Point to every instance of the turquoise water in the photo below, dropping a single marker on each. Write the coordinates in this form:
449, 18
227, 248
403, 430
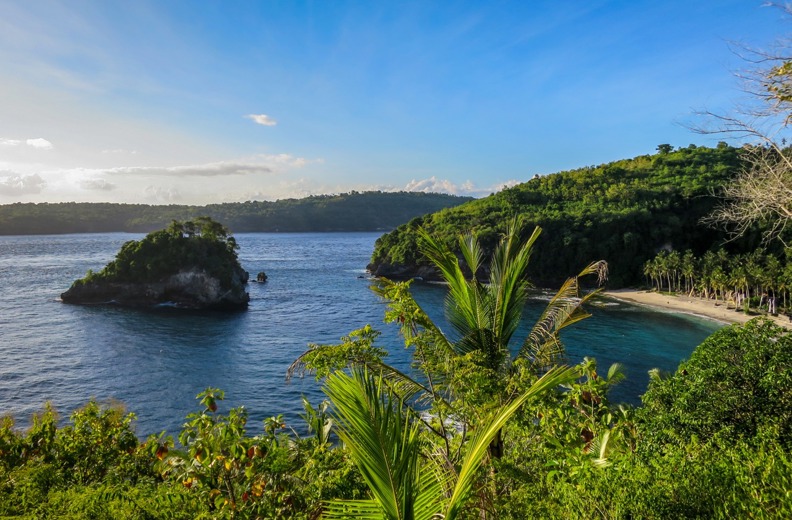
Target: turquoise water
156, 362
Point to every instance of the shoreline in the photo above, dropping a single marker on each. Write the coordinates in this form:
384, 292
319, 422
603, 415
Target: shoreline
686, 305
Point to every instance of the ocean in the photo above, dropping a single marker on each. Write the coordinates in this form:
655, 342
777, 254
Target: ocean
155, 362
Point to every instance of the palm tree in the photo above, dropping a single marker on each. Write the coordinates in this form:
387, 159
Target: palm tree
661, 264
484, 317
707, 267
673, 263
688, 270
407, 480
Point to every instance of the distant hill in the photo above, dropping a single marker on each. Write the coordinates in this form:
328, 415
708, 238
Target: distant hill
622, 212
367, 211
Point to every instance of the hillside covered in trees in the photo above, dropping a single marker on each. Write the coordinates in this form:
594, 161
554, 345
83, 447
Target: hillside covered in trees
623, 212
368, 211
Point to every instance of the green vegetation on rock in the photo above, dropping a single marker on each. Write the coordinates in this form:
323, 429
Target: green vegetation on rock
737, 386
202, 243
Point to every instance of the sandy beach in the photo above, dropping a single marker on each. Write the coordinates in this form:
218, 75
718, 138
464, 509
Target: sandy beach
685, 304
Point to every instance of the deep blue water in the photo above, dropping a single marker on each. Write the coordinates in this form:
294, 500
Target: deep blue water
156, 362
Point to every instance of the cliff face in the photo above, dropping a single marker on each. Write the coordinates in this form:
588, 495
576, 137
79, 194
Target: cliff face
189, 289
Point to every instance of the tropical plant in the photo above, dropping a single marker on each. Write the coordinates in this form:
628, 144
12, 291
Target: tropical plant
406, 481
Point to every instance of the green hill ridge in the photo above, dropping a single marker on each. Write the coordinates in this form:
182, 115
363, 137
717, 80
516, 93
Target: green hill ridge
623, 212
354, 211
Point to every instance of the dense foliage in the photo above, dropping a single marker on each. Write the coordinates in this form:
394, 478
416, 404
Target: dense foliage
737, 386
200, 244
95, 468
622, 212
368, 211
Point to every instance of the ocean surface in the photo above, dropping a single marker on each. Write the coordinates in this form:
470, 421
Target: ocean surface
155, 362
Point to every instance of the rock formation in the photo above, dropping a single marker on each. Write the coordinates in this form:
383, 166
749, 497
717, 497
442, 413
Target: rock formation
192, 289
191, 265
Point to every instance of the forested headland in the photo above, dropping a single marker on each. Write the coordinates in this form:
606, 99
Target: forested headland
622, 212
354, 211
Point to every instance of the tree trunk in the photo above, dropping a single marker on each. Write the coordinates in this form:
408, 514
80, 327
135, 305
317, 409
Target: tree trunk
496, 446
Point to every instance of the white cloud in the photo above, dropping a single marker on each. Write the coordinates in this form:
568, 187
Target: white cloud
435, 185
467, 188
506, 184
14, 184
216, 169
262, 119
97, 185
285, 159
40, 143
119, 151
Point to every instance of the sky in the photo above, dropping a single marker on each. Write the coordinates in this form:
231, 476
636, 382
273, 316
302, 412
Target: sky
199, 102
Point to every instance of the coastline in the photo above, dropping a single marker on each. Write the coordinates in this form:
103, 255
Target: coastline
687, 305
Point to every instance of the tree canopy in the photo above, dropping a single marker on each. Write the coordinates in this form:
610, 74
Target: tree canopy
201, 243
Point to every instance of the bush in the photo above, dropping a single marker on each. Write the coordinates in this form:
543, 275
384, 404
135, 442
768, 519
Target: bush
737, 385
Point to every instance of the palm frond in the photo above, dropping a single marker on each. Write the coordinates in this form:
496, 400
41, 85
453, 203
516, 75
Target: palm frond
543, 344
413, 320
479, 445
601, 447
383, 443
616, 373
464, 296
403, 386
509, 282
472, 253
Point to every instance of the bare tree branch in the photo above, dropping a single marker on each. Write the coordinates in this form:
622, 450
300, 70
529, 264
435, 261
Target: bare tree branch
762, 192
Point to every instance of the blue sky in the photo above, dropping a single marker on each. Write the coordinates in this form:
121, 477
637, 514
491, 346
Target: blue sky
222, 101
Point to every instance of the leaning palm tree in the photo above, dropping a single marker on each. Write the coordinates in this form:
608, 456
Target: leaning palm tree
406, 479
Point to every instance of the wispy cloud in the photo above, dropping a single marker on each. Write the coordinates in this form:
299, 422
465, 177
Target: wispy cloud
38, 142
97, 185
262, 119
285, 159
469, 189
14, 184
254, 165
216, 169
119, 151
